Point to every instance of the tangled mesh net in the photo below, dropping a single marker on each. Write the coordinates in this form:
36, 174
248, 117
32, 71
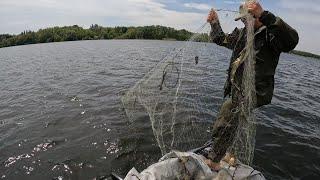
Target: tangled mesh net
244, 143
177, 97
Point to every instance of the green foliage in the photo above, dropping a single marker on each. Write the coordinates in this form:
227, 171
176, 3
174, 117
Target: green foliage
202, 38
75, 33
305, 54
95, 32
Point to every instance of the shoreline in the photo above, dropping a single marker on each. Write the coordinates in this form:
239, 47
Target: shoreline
96, 32
294, 52
305, 54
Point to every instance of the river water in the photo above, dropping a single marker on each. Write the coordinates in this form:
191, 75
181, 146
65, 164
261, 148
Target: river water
61, 115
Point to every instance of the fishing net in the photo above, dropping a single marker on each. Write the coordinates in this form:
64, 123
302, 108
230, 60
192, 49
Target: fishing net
244, 142
177, 96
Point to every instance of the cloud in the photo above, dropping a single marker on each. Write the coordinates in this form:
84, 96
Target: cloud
197, 6
19, 15
298, 5
305, 12
232, 2
16, 15
304, 17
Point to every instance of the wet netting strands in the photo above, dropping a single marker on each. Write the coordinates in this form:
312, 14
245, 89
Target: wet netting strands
244, 142
176, 95
237, 130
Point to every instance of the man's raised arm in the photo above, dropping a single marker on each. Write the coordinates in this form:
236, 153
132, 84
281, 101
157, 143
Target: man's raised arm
218, 36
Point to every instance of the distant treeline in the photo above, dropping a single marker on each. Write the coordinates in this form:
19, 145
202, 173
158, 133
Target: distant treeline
95, 32
305, 54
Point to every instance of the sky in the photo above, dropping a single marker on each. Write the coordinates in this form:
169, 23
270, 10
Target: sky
19, 15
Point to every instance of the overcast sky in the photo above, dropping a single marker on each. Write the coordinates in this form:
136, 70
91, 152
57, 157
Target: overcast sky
19, 15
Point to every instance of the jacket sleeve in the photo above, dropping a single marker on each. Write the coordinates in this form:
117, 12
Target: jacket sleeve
220, 38
281, 37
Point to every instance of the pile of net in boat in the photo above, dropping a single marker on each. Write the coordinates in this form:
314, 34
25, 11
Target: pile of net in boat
178, 98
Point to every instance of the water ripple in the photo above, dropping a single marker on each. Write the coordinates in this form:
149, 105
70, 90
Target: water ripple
71, 92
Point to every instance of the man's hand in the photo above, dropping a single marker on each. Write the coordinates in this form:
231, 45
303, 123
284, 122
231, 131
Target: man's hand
255, 9
212, 16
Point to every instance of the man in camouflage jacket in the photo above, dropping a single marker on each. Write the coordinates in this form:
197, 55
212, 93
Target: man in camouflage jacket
272, 37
